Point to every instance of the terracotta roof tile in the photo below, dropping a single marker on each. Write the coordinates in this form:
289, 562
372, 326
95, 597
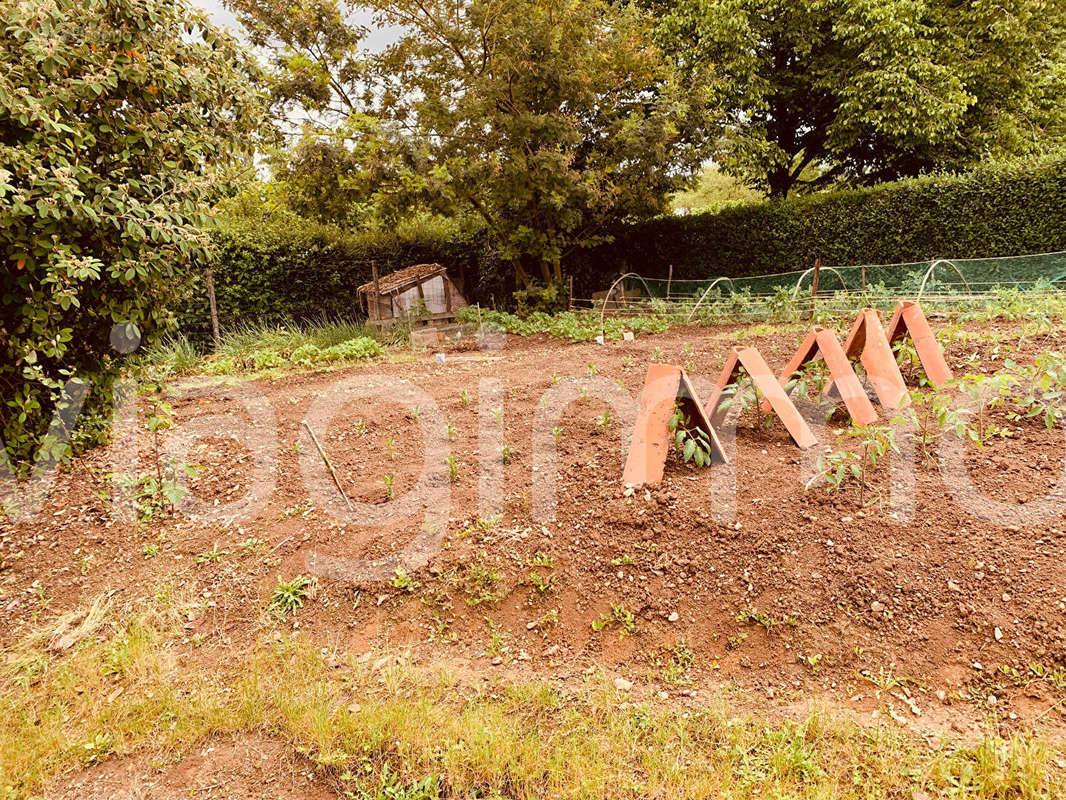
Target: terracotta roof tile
402, 278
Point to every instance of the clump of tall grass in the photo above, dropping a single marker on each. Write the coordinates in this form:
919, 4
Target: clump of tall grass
258, 346
286, 337
174, 355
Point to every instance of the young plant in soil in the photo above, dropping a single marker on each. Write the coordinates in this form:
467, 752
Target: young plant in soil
481, 525
691, 442
619, 616
480, 584
676, 669
289, 596
497, 644
453, 468
840, 466
931, 415
541, 559
161, 491
540, 583
604, 421
402, 581
986, 392
745, 396
211, 556
1041, 392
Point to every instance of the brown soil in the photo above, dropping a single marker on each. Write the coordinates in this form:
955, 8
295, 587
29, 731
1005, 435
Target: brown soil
242, 768
944, 599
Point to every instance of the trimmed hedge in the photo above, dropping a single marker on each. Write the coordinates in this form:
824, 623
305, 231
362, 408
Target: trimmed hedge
291, 268
996, 210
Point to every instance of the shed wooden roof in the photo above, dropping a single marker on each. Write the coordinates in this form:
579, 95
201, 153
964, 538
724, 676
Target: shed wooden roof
402, 278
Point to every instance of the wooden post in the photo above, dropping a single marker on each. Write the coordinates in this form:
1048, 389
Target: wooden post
814, 283
447, 292
669, 280
864, 279
570, 304
377, 291
214, 308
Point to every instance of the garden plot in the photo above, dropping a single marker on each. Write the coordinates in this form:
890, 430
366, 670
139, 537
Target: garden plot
810, 591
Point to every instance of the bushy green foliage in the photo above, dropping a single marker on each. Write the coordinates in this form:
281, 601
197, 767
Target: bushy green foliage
287, 267
812, 92
1004, 209
280, 348
363, 347
547, 122
120, 122
575, 326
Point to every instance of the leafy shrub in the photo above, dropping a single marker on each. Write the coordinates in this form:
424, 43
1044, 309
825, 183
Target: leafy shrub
123, 120
267, 359
575, 326
306, 354
363, 347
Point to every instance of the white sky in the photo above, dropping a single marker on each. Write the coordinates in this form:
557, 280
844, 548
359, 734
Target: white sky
376, 39
219, 14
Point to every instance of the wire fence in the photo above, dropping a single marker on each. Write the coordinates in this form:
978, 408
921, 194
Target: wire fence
946, 284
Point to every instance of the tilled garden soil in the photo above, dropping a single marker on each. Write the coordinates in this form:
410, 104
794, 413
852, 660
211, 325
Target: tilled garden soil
928, 613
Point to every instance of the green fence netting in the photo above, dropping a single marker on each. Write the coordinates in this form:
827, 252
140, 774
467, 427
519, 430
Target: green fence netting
936, 282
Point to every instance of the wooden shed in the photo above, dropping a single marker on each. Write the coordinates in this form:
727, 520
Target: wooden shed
422, 293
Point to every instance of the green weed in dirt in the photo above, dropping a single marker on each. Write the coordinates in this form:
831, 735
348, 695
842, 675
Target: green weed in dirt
417, 729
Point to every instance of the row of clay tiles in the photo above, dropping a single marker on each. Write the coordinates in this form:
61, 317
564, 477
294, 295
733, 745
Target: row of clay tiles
667, 385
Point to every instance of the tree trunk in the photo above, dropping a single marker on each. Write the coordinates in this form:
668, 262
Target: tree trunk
520, 275
545, 271
780, 182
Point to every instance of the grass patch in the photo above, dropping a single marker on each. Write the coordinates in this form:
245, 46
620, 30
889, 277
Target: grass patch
131, 686
262, 347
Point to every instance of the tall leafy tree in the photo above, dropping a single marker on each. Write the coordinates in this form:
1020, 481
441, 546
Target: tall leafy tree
121, 122
822, 91
332, 167
548, 120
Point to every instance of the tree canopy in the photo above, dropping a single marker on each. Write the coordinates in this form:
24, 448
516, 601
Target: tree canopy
121, 122
546, 120
818, 92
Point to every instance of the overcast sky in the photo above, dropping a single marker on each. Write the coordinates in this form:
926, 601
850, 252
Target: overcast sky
377, 37
219, 14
